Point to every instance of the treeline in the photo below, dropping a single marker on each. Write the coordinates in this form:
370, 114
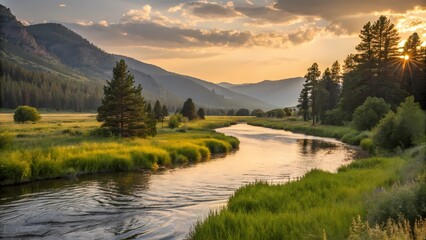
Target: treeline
379, 69
19, 86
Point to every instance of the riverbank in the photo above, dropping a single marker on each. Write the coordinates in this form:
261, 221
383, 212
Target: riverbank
324, 204
343, 133
62, 145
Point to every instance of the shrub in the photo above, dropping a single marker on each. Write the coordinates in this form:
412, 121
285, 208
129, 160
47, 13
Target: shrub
26, 114
174, 121
101, 132
242, 112
369, 113
335, 117
6, 139
258, 113
402, 129
400, 229
367, 144
217, 146
354, 138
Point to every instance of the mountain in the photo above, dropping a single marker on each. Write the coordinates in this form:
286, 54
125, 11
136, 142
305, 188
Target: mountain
54, 48
204, 92
281, 93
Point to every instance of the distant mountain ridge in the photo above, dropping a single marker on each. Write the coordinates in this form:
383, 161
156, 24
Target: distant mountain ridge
54, 48
281, 93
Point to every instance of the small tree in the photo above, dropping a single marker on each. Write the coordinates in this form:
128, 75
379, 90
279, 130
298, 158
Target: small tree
151, 121
242, 112
201, 114
158, 112
123, 107
165, 113
188, 109
231, 112
402, 129
26, 114
258, 113
370, 113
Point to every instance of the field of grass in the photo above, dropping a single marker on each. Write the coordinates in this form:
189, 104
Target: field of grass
61, 145
322, 205
343, 133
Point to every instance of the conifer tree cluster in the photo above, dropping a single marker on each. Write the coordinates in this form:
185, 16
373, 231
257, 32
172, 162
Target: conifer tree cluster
379, 69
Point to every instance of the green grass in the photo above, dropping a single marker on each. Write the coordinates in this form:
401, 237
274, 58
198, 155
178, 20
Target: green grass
343, 133
61, 145
319, 203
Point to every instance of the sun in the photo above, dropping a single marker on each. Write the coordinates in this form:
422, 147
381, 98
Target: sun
406, 57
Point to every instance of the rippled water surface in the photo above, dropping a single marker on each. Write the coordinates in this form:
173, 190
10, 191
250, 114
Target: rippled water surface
137, 205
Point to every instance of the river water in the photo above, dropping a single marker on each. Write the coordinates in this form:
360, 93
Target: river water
164, 205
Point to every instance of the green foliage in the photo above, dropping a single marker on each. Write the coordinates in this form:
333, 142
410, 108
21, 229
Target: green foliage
368, 115
188, 109
44, 152
354, 137
123, 107
367, 144
43, 89
158, 111
335, 117
402, 129
6, 139
174, 121
278, 113
101, 132
26, 114
242, 112
258, 113
323, 201
201, 114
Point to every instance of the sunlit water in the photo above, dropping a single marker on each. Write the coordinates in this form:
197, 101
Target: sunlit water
166, 205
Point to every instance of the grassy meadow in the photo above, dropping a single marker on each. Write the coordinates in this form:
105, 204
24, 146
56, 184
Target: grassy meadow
324, 205
61, 145
329, 205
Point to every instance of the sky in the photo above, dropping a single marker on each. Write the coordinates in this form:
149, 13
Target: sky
238, 41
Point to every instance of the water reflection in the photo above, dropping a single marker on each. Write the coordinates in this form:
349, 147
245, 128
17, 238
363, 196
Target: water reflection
312, 146
160, 206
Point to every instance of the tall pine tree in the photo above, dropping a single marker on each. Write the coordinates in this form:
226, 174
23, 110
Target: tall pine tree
312, 77
123, 107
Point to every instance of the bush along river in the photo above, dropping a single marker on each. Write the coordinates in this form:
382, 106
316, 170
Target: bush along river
164, 205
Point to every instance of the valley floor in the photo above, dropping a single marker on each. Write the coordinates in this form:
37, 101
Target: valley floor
61, 145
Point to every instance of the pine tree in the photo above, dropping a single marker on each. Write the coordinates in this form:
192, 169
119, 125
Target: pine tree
188, 109
304, 101
312, 80
165, 113
123, 107
151, 120
201, 114
158, 111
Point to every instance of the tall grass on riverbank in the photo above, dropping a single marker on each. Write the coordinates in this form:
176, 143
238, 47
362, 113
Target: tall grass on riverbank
320, 203
343, 133
64, 147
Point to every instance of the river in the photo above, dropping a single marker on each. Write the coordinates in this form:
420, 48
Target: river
135, 205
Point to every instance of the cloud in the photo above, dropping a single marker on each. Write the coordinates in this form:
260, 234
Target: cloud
138, 15
62, 5
212, 9
152, 34
347, 17
103, 23
266, 15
